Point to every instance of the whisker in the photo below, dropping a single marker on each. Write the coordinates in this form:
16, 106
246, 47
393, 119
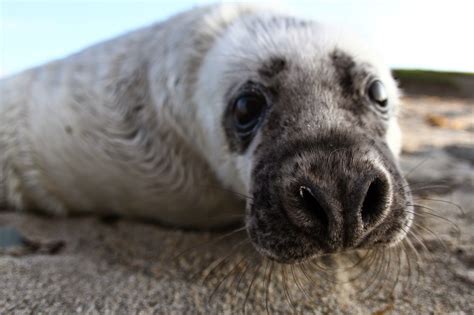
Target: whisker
428, 187
406, 285
457, 206
410, 243
424, 210
326, 269
354, 265
255, 274
385, 273
301, 266
298, 284
238, 194
421, 213
371, 260
218, 262
240, 277
208, 242
285, 287
420, 226
417, 261
308, 276
267, 287
379, 264
419, 240
224, 278
397, 277
415, 271
416, 167
320, 271
422, 185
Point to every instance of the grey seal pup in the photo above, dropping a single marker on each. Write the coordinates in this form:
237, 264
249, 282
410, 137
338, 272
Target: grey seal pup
220, 111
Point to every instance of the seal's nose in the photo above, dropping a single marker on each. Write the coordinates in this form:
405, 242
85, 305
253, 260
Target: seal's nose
375, 202
341, 216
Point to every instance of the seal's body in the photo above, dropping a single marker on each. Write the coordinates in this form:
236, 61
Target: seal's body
114, 128
171, 121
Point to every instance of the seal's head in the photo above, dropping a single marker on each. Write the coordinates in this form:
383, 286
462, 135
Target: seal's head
303, 120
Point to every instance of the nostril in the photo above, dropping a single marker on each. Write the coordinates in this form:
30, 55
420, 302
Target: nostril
313, 206
375, 202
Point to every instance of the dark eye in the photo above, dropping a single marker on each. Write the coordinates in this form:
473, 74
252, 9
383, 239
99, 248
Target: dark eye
377, 93
248, 111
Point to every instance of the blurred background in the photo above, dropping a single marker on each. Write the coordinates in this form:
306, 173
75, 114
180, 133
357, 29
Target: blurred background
410, 34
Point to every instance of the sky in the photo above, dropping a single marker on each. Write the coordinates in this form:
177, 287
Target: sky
422, 34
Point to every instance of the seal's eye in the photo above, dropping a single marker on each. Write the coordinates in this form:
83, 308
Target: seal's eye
377, 93
248, 111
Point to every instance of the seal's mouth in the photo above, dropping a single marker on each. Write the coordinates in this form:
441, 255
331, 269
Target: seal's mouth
315, 202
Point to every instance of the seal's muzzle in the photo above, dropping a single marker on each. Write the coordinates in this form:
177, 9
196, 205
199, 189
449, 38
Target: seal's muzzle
326, 195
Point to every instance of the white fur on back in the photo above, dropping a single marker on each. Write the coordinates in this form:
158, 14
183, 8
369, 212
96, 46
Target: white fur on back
71, 144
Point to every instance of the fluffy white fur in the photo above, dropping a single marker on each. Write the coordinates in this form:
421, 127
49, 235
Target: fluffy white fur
134, 125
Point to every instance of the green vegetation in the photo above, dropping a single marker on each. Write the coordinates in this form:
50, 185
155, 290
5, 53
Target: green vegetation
414, 73
433, 77
458, 84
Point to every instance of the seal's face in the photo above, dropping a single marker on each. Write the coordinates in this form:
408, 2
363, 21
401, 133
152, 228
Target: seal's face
311, 128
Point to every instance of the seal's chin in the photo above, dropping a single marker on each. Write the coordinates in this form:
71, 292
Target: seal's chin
282, 248
275, 237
